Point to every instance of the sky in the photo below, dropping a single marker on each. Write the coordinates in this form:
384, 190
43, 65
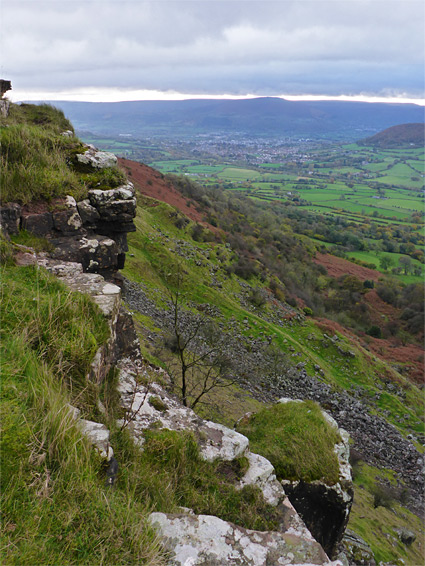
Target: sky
112, 50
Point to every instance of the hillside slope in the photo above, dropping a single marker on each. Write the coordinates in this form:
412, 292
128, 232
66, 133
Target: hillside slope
398, 136
269, 347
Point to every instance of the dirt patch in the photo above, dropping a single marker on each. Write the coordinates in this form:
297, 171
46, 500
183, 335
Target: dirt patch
338, 266
408, 359
153, 184
380, 307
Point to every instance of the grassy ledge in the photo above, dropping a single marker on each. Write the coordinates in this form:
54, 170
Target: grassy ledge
297, 440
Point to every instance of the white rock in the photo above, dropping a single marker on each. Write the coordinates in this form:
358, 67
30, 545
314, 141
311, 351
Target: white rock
98, 435
200, 540
97, 159
261, 473
110, 289
221, 443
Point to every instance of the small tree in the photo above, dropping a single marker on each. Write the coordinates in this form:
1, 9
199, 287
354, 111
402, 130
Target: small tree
406, 263
201, 361
386, 262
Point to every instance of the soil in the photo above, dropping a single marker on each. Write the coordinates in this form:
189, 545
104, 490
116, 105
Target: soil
408, 358
152, 183
338, 266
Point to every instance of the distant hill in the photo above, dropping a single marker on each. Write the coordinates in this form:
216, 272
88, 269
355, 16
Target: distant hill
396, 136
259, 116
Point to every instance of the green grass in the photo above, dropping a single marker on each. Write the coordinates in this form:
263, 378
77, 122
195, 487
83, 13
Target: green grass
170, 474
38, 163
372, 257
238, 174
377, 526
296, 439
55, 505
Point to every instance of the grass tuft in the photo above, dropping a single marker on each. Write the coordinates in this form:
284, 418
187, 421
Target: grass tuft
296, 439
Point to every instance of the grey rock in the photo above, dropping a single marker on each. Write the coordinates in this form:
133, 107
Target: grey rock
203, 540
118, 205
10, 215
89, 214
95, 253
98, 435
97, 159
39, 224
357, 551
406, 536
67, 221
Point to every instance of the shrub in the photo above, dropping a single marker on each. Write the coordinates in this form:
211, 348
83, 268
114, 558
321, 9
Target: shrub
382, 496
258, 297
375, 331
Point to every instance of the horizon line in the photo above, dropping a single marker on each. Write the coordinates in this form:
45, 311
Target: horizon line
117, 95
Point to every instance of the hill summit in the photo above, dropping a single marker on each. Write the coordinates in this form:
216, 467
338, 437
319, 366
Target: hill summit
396, 136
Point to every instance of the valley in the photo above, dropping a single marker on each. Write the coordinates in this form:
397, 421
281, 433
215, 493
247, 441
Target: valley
253, 273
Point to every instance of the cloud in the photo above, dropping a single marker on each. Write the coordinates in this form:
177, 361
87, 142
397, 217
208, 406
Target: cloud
201, 46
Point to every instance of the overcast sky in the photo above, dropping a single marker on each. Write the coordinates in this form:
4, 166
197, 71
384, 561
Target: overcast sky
119, 49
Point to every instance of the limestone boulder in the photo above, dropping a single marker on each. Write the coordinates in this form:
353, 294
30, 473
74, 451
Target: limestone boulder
204, 540
261, 474
67, 219
97, 159
406, 536
355, 551
115, 205
88, 213
216, 442
40, 224
95, 253
98, 435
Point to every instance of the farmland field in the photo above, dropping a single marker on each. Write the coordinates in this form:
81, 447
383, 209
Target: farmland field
370, 189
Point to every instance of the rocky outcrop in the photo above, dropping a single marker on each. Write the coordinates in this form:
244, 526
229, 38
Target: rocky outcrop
106, 295
354, 551
5, 86
324, 508
203, 540
4, 103
10, 218
190, 539
92, 232
189, 536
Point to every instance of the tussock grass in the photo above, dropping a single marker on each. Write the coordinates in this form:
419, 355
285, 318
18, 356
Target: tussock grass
55, 505
62, 327
44, 115
38, 163
34, 165
296, 439
170, 474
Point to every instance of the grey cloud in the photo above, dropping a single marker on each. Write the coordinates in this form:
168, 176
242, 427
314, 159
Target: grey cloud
214, 46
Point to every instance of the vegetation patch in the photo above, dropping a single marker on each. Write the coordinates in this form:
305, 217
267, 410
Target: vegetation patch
170, 474
56, 508
37, 161
297, 440
376, 523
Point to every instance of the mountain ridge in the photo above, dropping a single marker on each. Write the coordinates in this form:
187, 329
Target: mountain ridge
258, 116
